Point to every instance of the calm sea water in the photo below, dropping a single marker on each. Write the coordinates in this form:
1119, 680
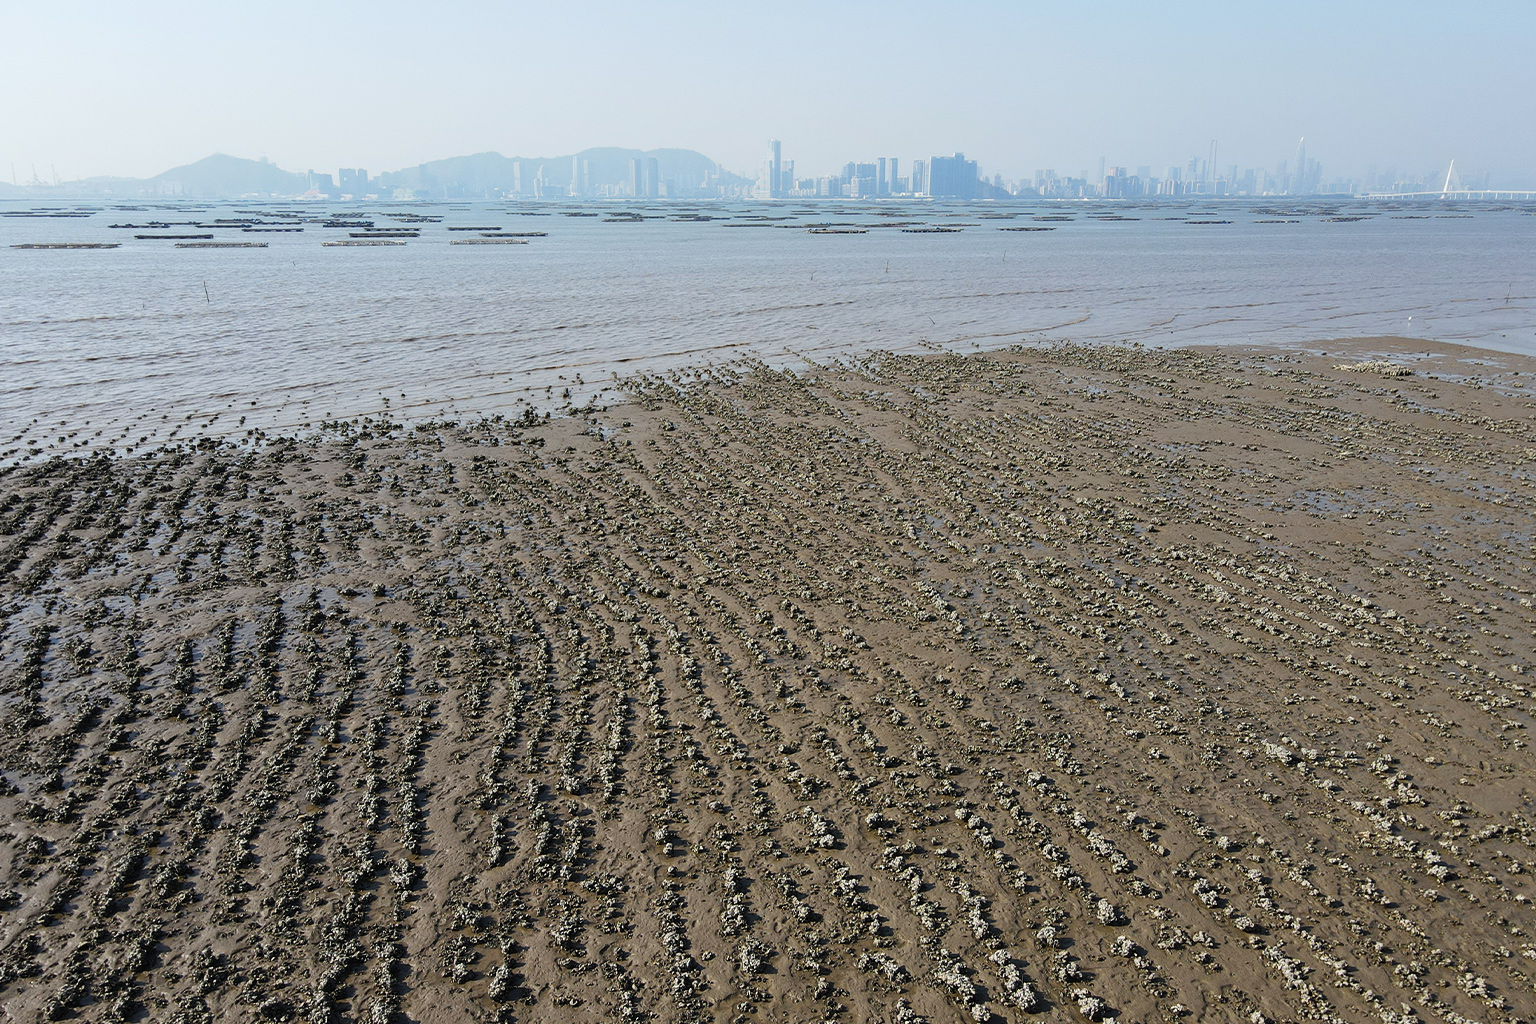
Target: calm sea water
106, 346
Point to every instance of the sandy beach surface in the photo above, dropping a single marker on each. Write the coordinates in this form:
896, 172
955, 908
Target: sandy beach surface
1054, 684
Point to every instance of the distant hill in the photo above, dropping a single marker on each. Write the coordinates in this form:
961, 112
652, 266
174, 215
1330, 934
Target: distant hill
482, 172
221, 175
214, 177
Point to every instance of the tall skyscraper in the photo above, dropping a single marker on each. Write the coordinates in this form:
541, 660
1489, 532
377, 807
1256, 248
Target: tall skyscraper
919, 183
952, 177
775, 169
352, 181
893, 178
636, 183
880, 184
1299, 176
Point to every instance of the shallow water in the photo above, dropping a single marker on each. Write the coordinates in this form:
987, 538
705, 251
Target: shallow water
136, 340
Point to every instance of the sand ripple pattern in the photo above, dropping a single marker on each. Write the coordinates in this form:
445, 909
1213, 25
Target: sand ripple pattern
1073, 683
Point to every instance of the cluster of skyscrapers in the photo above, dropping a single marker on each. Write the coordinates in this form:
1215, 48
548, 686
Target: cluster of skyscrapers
955, 177
950, 177
1199, 177
644, 181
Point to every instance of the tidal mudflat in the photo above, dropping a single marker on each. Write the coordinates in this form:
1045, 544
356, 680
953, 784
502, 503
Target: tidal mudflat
1051, 684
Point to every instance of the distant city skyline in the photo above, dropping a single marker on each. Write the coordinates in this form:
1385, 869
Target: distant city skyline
1201, 173
1198, 174
99, 87
956, 177
615, 173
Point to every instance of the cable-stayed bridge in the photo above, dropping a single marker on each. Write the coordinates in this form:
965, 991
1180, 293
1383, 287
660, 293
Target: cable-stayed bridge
1453, 190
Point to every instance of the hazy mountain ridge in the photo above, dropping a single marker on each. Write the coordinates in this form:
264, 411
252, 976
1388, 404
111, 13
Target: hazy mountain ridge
224, 176
607, 165
221, 175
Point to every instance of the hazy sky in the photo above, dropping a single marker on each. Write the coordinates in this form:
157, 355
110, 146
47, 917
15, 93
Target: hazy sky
117, 88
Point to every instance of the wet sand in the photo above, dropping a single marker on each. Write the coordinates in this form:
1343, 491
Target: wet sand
1054, 684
